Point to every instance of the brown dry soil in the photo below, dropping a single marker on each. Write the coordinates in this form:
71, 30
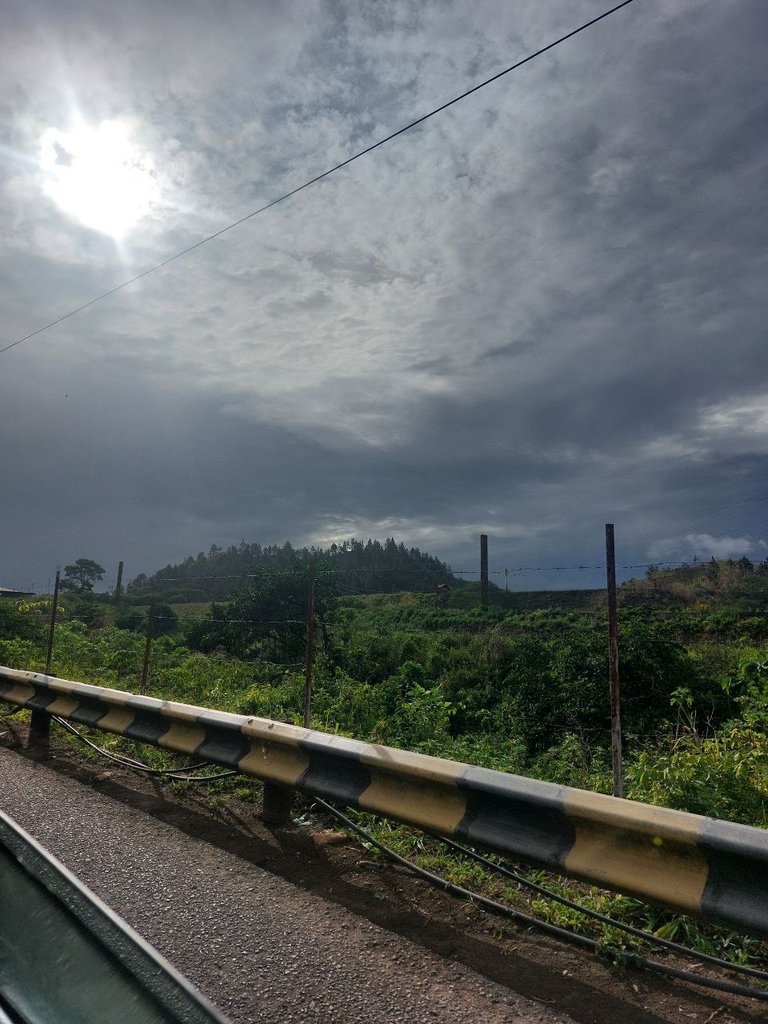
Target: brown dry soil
330, 864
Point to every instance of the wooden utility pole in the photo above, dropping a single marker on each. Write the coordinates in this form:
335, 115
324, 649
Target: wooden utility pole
613, 662
148, 646
119, 584
484, 570
309, 658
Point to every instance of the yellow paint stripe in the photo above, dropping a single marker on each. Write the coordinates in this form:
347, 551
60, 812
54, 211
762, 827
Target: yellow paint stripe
267, 731
20, 694
654, 821
418, 801
182, 737
637, 849
181, 712
116, 720
63, 706
275, 762
419, 766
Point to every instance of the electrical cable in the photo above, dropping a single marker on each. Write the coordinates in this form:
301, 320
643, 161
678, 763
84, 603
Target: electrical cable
317, 178
561, 933
129, 762
603, 918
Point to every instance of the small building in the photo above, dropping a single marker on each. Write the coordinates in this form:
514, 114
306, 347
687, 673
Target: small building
6, 592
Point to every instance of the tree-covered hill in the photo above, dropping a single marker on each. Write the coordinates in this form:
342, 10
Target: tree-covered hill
360, 568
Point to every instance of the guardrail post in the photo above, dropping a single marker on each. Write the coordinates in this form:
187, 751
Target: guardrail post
39, 737
278, 803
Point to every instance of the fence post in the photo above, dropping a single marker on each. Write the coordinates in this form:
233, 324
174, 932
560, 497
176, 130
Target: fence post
148, 647
613, 662
39, 736
309, 659
52, 626
119, 585
483, 570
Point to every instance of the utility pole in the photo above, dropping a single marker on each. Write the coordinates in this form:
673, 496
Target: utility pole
119, 584
613, 662
484, 570
148, 647
309, 659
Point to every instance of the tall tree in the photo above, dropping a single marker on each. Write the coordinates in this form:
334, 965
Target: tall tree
81, 576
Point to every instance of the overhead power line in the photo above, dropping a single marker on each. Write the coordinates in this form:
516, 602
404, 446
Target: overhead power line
313, 181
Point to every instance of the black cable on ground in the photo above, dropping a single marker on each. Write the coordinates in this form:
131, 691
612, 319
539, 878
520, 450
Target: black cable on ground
676, 947
632, 958
129, 762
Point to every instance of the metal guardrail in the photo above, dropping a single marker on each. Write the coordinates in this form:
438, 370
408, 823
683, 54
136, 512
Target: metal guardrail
66, 957
716, 869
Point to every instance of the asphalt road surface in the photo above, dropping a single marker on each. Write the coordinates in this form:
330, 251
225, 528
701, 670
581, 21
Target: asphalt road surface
259, 947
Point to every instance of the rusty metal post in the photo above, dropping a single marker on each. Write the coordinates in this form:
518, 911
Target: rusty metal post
484, 570
119, 585
148, 647
309, 658
613, 662
39, 736
278, 803
52, 626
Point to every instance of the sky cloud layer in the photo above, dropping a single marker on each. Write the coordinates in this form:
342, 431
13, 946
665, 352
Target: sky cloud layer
541, 311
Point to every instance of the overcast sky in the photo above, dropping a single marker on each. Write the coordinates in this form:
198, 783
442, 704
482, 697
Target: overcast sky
541, 311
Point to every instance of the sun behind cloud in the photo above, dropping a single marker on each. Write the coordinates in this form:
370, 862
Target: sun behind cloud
97, 176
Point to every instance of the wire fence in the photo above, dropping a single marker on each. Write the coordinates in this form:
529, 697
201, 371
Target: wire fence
286, 646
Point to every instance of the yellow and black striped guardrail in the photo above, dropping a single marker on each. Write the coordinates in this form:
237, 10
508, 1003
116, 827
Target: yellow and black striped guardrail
716, 869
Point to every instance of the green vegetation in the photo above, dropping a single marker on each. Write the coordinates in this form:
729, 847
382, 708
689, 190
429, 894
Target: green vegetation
513, 687
359, 568
81, 576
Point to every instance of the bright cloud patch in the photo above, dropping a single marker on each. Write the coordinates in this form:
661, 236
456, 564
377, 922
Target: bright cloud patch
704, 546
97, 176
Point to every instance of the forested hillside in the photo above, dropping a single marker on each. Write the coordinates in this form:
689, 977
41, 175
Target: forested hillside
360, 568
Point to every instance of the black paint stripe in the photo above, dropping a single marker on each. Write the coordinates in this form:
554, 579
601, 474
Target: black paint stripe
222, 744
333, 774
737, 883
41, 699
527, 818
147, 726
88, 712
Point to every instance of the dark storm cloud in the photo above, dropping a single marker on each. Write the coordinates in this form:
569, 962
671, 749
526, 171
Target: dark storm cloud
542, 311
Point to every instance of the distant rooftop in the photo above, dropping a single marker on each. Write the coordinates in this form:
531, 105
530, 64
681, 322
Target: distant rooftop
7, 592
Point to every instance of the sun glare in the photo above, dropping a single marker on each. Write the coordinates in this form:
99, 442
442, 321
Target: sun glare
97, 176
